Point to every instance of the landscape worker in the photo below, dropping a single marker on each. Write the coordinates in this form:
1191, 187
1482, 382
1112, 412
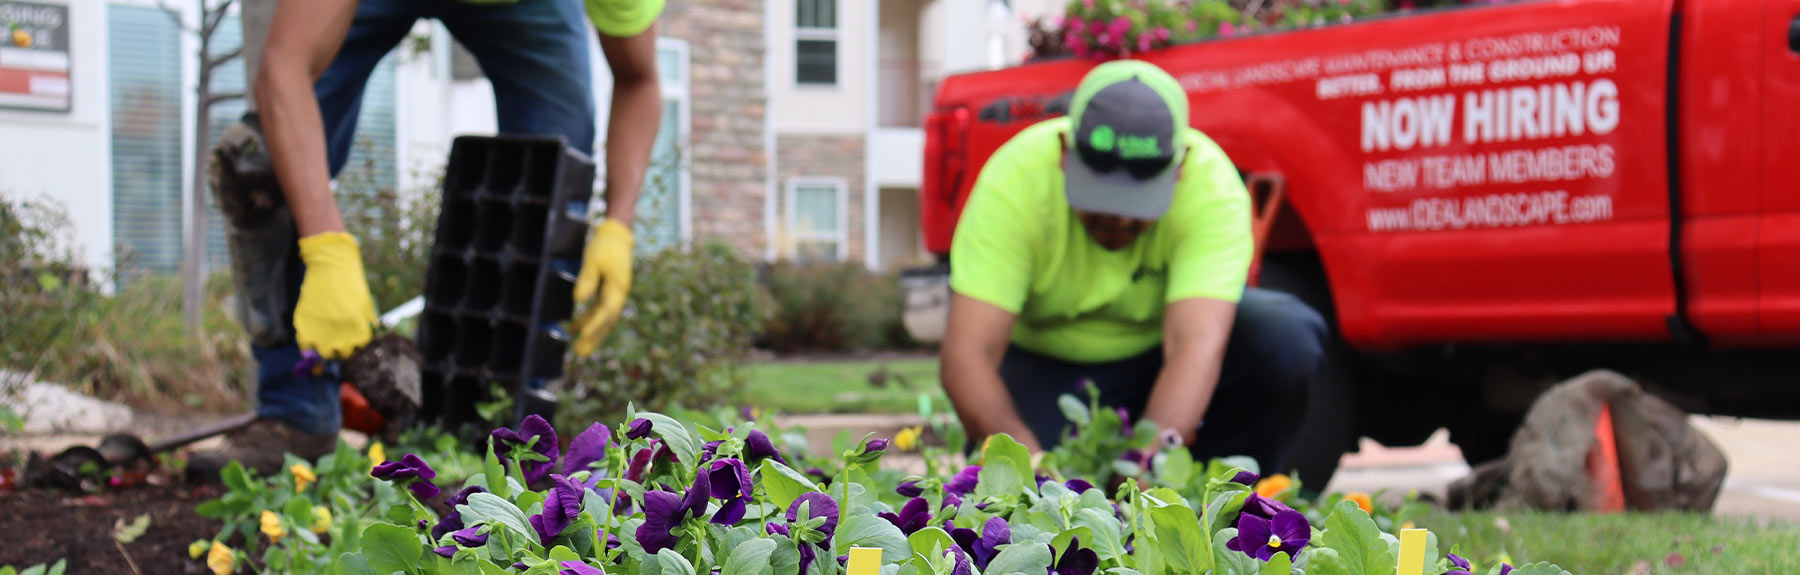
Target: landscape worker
299, 273
1113, 246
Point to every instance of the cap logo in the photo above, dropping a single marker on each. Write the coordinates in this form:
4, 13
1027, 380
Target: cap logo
1101, 139
1138, 147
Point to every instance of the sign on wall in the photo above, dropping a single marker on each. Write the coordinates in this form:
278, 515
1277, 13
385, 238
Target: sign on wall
34, 56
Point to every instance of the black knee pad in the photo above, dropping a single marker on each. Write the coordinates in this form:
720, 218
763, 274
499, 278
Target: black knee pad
259, 233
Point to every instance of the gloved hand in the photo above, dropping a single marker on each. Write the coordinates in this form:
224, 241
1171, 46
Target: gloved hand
335, 315
606, 269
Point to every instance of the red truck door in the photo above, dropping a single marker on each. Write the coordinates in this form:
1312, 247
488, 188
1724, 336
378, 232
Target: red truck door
1779, 243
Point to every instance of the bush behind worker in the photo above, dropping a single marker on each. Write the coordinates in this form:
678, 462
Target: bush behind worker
1113, 245
299, 274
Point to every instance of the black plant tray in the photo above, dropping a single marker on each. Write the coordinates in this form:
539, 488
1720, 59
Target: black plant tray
501, 279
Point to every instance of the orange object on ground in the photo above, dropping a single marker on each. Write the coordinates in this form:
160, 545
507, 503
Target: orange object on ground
358, 414
1603, 466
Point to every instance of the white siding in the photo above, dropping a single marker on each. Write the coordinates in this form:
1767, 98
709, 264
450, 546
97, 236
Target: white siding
806, 109
65, 156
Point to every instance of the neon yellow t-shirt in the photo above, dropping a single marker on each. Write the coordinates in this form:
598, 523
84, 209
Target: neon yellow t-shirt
615, 18
1019, 246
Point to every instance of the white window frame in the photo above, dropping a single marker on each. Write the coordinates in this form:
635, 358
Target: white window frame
791, 221
678, 90
837, 47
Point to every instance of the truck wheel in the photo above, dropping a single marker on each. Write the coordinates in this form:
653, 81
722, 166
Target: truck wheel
1330, 430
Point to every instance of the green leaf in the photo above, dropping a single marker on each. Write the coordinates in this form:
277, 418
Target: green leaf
786, 558
784, 484
1280, 564
1540, 569
751, 558
1177, 467
1357, 540
34, 570
495, 474
675, 434
58, 568
673, 563
581, 535
1074, 410
1108, 541
1123, 571
1228, 562
1325, 561
867, 530
560, 554
128, 533
391, 548
731, 538
491, 508
234, 477
710, 434
1179, 537
1060, 543
1223, 509
929, 539
8, 570
1007, 464
593, 504
1027, 559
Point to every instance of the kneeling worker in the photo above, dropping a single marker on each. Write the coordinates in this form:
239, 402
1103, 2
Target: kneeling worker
1113, 246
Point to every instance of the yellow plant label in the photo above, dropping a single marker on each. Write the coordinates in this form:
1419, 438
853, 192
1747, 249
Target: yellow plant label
864, 561
1412, 551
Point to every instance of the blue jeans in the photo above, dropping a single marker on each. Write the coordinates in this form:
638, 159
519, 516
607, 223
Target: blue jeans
535, 52
1273, 356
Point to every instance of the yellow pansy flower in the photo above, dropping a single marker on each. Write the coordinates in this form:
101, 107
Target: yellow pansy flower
198, 548
303, 476
908, 438
377, 455
220, 559
321, 519
271, 526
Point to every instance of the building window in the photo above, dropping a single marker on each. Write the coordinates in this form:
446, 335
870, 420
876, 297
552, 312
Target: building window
663, 204
816, 42
815, 218
147, 156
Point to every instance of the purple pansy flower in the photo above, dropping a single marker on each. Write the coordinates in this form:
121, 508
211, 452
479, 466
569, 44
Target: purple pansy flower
710, 450
961, 565
410, 471
915, 515
731, 485
818, 476
533, 427
1078, 485
452, 521
1245, 478
579, 568
1462, 565
640, 428
446, 551
1141, 458
758, 446
909, 489
817, 505
587, 447
664, 511
965, 481
309, 360
1124, 422
1259, 507
639, 467
1074, 560
560, 509
876, 445
470, 537
985, 546
952, 500
776, 528
1505, 569
1261, 538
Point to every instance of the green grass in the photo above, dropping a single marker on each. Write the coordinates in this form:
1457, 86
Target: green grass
842, 386
1632, 543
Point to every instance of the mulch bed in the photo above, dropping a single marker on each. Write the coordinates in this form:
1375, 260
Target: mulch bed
42, 526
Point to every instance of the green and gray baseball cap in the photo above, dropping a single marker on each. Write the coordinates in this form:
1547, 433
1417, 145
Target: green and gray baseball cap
1128, 116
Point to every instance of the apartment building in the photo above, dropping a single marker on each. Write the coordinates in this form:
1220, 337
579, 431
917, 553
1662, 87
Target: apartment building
791, 128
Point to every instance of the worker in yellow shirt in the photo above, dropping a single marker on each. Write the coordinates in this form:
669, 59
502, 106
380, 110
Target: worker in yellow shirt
1112, 246
299, 274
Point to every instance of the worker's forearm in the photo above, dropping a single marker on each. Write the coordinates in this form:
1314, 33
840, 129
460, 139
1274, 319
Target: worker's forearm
982, 402
1184, 389
296, 139
630, 134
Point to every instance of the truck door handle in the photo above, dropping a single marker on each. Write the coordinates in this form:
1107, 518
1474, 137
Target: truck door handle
1794, 34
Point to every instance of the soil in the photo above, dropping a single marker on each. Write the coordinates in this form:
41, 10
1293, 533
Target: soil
42, 526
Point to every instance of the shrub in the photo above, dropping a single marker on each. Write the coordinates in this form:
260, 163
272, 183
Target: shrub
1102, 30
394, 229
686, 330
832, 307
59, 322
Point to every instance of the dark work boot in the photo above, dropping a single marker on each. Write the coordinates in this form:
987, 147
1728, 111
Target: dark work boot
261, 446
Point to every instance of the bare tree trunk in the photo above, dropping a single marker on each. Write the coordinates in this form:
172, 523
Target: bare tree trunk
193, 272
255, 15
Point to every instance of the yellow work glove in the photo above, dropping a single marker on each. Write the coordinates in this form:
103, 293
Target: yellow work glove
606, 271
335, 315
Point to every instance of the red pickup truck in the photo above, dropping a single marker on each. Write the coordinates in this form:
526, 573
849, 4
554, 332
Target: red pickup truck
1486, 200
